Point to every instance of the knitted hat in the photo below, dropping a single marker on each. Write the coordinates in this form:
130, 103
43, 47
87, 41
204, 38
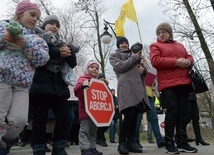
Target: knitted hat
49, 19
120, 40
88, 64
24, 6
166, 27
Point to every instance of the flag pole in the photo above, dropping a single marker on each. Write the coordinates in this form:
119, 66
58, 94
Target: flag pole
144, 54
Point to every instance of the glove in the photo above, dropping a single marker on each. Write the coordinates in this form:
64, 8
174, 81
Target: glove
14, 28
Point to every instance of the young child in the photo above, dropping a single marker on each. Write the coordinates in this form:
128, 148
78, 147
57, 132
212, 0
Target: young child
50, 91
19, 56
87, 132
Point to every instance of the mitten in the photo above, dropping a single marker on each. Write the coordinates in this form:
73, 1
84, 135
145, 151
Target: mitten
14, 28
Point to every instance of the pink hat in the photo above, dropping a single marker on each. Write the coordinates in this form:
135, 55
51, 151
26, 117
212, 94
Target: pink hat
24, 6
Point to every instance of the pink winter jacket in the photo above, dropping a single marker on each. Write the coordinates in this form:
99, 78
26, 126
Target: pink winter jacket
78, 92
163, 57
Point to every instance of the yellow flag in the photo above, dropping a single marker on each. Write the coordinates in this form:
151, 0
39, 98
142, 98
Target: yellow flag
120, 23
119, 31
130, 11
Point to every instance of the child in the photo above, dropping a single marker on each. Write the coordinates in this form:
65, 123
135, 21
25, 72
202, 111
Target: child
19, 56
87, 132
50, 91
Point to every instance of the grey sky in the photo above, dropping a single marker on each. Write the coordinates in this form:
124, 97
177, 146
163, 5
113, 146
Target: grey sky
148, 12
149, 15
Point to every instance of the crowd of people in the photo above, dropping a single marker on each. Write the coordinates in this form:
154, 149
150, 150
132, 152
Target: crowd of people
34, 91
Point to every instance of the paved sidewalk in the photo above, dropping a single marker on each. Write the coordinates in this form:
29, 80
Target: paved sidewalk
148, 149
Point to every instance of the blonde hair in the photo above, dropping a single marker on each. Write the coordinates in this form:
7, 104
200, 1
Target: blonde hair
18, 17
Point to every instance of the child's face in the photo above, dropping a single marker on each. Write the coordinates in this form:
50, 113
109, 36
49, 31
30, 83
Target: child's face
53, 27
29, 18
93, 70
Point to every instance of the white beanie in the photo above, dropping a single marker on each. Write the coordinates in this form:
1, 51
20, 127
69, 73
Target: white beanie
88, 64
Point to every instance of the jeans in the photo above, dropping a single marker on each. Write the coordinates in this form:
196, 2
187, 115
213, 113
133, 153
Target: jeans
113, 126
112, 129
152, 114
149, 131
137, 130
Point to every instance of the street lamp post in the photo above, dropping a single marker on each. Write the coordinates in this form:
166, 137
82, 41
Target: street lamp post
106, 36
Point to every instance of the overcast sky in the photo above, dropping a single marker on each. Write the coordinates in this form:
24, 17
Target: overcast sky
149, 15
148, 12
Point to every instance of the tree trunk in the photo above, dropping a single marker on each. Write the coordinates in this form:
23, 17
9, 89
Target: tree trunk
201, 39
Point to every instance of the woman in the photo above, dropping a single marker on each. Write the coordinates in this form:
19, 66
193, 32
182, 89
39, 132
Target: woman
131, 91
172, 63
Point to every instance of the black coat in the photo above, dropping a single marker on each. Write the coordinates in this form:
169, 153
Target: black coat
47, 83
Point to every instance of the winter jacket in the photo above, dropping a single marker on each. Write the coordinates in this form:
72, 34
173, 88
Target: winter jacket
163, 57
17, 66
48, 83
131, 87
78, 92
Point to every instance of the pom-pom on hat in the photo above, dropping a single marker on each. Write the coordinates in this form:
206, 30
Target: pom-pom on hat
24, 6
120, 40
164, 26
49, 19
88, 64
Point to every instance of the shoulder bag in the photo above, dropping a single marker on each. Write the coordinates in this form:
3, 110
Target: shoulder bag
198, 83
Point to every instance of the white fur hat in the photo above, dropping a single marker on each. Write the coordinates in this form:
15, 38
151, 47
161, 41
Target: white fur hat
88, 64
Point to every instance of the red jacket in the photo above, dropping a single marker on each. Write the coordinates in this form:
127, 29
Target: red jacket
163, 57
78, 92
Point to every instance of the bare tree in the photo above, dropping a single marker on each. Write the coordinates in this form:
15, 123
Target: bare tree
188, 23
94, 11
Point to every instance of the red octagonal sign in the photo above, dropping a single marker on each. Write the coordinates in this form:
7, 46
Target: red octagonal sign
99, 103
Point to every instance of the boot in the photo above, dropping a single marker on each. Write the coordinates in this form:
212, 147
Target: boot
197, 131
2, 148
39, 149
201, 141
10, 143
190, 140
96, 152
86, 152
122, 148
59, 148
131, 145
137, 144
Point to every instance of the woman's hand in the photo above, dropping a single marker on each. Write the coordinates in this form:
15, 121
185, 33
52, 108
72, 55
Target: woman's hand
182, 63
138, 53
141, 69
65, 51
